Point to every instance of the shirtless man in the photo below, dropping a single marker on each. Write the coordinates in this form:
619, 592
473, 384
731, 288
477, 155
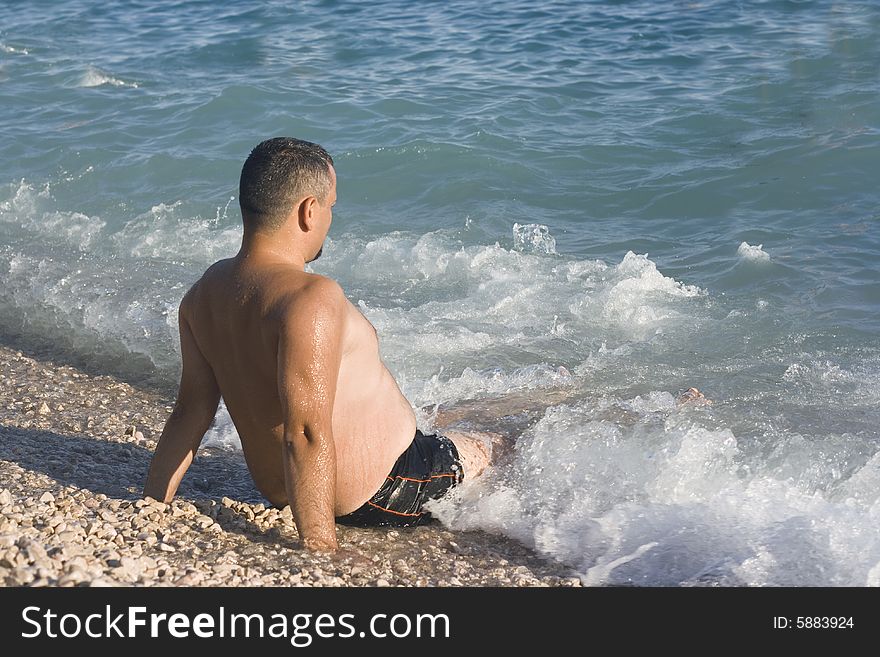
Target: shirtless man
323, 424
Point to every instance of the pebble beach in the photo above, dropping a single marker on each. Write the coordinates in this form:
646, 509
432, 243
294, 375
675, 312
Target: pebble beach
74, 451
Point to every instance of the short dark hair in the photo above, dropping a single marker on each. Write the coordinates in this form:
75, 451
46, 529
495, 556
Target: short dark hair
277, 173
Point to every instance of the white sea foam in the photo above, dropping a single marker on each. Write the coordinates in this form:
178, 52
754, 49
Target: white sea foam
12, 50
167, 232
439, 306
635, 298
752, 252
56, 290
534, 238
222, 432
625, 496
31, 210
92, 305
94, 77
813, 381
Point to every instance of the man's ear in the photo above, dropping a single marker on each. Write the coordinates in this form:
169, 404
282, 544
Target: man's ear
306, 212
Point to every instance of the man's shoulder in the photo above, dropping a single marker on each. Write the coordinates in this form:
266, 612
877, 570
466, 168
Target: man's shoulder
318, 284
188, 300
317, 295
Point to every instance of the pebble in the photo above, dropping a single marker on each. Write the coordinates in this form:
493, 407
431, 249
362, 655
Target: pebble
203, 522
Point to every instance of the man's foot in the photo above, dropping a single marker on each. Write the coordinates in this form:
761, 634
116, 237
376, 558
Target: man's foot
693, 396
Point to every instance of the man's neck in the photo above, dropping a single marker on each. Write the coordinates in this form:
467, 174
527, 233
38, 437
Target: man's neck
259, 249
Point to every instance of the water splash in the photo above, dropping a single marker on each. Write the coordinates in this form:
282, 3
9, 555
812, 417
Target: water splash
94, 77
533, 238
12, 50
747, 251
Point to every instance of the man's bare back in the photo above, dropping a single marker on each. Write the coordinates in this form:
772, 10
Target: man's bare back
235, 311
320, 417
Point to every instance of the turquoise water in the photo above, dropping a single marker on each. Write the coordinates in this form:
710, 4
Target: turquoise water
614, 199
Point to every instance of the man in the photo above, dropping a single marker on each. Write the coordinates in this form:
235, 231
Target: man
323, 425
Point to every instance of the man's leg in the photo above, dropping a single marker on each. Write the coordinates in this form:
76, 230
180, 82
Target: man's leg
505, 417
484, 430
476, 449
490, 412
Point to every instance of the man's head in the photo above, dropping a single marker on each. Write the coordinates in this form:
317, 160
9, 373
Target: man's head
283, 176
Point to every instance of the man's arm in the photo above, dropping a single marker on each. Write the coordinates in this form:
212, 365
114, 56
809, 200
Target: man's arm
196, 405
309, 355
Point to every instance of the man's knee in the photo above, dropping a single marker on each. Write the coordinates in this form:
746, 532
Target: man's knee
474, 451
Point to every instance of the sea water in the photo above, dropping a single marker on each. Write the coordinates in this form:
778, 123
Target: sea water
598, 203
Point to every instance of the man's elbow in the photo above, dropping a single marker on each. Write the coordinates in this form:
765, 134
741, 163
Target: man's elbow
310, 435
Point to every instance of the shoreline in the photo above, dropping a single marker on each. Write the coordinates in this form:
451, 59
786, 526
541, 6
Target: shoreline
74, 452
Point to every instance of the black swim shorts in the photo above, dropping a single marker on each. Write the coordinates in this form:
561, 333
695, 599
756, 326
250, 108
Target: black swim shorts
428, 468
